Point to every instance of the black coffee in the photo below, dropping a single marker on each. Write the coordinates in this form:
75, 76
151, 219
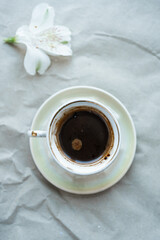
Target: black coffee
84, 136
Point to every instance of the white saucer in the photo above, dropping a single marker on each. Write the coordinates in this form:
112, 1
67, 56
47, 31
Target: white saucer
83, 184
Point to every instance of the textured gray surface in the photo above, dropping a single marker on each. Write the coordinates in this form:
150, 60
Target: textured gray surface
116, 47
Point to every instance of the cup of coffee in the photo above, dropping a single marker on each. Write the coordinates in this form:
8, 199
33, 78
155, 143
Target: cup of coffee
83, 137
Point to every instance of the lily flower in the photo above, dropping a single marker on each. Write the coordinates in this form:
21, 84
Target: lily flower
42, 38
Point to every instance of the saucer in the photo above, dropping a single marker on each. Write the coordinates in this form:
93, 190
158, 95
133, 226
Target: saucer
67, 181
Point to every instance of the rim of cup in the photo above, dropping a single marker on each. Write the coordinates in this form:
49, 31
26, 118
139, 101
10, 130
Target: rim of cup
76, 167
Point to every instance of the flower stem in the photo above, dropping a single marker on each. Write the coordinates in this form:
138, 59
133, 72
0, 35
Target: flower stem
10, 40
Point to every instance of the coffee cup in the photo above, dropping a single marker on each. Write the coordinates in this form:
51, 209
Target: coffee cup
83, 137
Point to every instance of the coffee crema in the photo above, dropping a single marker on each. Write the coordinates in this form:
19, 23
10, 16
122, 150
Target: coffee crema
84, 135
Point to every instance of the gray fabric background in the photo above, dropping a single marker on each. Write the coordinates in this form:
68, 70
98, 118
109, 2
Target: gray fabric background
116, 46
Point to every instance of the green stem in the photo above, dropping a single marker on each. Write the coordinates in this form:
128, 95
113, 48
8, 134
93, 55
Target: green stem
10, 40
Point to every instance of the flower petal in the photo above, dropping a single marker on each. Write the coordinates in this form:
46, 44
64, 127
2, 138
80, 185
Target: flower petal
57, 50
61, 50
36, 61
54, 41
42, 18
62, 33
23, 35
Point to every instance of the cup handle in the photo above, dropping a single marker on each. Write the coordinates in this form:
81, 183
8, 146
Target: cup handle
37, 133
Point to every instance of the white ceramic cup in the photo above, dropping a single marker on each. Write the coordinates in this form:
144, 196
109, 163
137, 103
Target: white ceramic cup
79, 168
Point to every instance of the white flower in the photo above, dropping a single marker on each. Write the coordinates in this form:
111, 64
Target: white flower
41, 37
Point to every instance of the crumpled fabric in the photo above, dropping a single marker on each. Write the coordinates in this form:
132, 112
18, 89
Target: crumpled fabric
116, 47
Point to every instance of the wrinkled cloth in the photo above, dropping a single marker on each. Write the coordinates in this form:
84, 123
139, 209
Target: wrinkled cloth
116, 47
